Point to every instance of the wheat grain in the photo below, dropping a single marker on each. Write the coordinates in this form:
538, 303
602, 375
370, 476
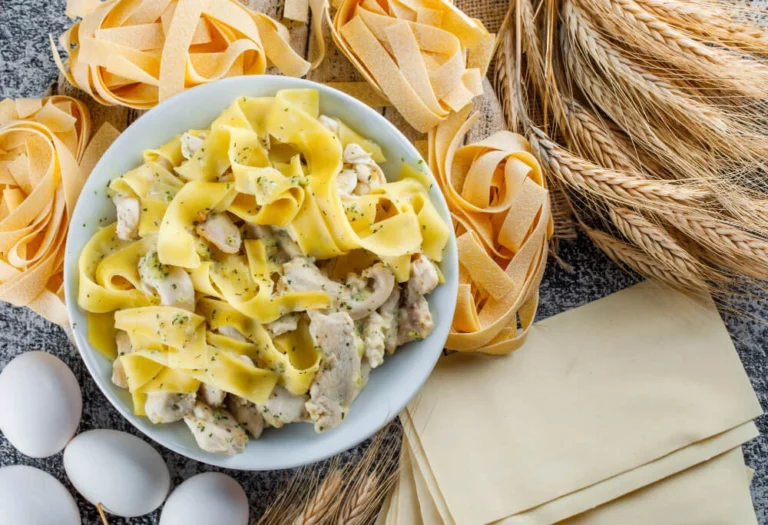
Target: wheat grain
624, 254
610, 184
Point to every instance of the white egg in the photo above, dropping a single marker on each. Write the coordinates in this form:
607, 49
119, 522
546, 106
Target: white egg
206, 499
29, 496
123, 473
41, 404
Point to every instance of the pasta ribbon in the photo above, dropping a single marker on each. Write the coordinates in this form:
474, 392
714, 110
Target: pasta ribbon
322, 226
176, 244
139, 53
501, 211
292, 355
413, 52
46, 153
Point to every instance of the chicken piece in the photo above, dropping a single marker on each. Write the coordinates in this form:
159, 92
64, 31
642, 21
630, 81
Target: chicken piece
346, 182
216, 430
211, 395
300, 274
220, 231
360, 299
190, 144
415, 320
172, 284
356, 297
287, 323
123, 347
374, 339
389, 312
283, 407
167, 407
355, 154
287, 247
257, 231
338, 380
365, 372
423, 278
369, 174
232, 333
247, 414
287, 243
329, 123
128, 213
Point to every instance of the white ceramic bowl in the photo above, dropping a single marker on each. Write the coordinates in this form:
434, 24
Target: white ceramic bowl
391, 386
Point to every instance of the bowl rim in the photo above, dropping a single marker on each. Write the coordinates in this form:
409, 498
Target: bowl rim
123, 143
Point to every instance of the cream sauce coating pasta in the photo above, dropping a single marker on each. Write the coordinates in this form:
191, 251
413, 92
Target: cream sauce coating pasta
242, 230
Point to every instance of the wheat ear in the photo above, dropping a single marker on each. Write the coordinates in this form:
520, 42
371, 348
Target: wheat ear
323, 502
656, 241
738, 250
593, 139
360, 502
634, 14
504, 74
698, 19
661, 41
624, 254
609, 184
644, 83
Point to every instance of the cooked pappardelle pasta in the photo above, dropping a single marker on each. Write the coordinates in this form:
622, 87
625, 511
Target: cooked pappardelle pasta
258, 270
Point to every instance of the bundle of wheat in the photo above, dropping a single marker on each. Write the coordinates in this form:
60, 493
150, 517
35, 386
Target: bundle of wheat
649, 115
349, 493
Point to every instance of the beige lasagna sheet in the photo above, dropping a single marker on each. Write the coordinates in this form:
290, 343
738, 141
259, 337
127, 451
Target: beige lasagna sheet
596, 392
714, 492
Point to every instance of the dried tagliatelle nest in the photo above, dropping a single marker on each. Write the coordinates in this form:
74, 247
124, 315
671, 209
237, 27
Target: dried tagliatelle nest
427, 57
45, 157
500, 206
139, 53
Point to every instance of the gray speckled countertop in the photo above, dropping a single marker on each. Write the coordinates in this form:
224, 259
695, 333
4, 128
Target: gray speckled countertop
26, 70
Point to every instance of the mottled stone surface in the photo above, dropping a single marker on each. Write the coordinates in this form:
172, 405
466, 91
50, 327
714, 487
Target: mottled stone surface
26, 70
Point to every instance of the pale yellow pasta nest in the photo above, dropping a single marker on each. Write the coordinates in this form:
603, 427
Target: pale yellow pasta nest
427, 57
500, 205
139, 53
45, 158
176, 350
